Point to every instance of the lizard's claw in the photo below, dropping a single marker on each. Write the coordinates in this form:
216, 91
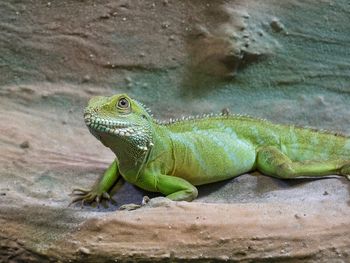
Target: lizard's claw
80, 191
89, 197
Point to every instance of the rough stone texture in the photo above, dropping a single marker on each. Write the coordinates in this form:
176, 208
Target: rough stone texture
287, 61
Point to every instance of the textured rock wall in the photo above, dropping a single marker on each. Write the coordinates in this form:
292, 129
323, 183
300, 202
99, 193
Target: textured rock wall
287, 61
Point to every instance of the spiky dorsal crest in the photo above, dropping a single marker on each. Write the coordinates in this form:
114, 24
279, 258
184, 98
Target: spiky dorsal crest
148, 110
223, 115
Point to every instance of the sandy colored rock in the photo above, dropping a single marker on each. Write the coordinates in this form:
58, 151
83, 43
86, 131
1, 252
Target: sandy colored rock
284, 61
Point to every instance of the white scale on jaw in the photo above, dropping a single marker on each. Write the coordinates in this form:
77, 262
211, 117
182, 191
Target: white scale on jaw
110, 126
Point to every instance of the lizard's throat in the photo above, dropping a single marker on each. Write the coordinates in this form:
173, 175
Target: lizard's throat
130, 147
131, 154
121, 137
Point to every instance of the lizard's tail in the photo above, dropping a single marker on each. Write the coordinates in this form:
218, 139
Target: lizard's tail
345, 170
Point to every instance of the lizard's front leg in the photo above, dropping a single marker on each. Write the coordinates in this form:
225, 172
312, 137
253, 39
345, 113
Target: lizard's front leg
174, 188
101, 187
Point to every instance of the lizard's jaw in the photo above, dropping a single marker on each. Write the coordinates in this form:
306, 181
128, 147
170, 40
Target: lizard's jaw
104, 125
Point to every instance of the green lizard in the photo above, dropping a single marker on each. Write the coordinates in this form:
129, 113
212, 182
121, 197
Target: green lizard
173, 157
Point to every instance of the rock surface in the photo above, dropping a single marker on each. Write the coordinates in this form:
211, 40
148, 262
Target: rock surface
285, 61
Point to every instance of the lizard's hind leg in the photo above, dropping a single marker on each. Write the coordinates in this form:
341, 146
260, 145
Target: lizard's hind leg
273, 162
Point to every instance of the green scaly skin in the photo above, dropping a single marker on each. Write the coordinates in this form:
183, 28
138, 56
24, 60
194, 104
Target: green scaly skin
172, 158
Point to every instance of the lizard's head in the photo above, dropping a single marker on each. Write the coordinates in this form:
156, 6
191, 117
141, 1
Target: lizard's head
119, 119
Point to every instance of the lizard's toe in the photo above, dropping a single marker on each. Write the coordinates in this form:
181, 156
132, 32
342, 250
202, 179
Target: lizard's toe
105, 195
80, 191
77, 199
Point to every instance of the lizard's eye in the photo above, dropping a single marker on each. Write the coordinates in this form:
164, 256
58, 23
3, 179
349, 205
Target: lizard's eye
123, 103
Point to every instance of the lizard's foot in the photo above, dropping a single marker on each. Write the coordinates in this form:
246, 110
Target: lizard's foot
130, 207
148, 203
89, 196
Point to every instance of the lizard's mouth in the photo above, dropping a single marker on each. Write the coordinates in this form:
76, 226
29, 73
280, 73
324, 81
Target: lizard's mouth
105, 125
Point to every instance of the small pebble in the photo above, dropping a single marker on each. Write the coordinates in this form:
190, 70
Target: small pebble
105, 16
165, 25
246, 16
84, 250
24, 145
86, 78
125, 5
224, 257
128, 80
276, 25
225, 111
145, 200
